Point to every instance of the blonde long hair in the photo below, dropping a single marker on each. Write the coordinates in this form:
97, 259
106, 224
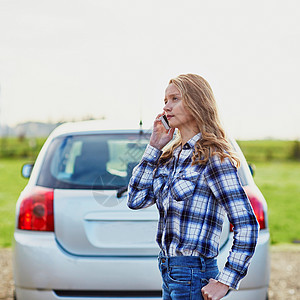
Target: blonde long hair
199, 100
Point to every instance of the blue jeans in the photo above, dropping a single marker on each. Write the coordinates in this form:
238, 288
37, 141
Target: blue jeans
184, 276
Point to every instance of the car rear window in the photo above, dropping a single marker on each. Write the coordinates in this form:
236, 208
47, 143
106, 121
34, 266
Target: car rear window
100, 161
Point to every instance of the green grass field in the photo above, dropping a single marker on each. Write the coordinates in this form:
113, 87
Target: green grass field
12, 147
276, 175
11, 184
279, 183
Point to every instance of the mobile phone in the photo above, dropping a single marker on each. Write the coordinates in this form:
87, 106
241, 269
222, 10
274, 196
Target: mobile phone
165, 122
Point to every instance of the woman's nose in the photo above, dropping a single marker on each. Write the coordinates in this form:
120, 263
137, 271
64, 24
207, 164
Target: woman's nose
167, 107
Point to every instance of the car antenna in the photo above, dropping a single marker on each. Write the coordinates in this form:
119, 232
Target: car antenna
141, 126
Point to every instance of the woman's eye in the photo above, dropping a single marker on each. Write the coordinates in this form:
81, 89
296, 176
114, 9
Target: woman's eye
175, 98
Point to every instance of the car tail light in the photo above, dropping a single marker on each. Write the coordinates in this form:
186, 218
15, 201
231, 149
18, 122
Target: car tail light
36, 210
258, 208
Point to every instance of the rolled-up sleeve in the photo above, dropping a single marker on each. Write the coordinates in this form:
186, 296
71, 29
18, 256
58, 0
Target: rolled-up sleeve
140, 188
225, 185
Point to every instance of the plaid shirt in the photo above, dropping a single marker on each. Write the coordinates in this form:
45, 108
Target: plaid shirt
192, 203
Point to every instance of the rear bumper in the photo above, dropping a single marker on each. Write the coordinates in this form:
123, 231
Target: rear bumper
29, 294
25, 294
48, 267
41, 267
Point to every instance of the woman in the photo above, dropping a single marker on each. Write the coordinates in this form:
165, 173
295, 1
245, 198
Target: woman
194, 184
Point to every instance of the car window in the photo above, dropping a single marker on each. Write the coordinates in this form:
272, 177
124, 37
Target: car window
100, 161
92, 161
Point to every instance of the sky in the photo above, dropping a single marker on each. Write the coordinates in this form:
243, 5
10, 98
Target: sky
63, 60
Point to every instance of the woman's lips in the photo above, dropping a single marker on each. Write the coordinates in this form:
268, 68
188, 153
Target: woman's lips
169, 117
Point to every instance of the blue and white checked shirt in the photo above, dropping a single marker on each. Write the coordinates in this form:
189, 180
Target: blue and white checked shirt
192, 203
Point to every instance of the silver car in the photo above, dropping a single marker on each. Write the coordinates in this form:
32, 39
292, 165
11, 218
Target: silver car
75, 237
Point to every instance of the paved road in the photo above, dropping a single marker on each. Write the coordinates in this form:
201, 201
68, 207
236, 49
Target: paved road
284, 284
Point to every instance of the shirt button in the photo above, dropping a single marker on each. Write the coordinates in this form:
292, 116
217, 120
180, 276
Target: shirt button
186, 146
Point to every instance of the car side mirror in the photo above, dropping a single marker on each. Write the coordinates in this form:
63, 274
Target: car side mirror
26, 170
252, 169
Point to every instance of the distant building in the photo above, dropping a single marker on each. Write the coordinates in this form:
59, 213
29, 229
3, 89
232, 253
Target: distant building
28, 129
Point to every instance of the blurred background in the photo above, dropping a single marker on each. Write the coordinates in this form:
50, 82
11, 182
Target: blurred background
64, 60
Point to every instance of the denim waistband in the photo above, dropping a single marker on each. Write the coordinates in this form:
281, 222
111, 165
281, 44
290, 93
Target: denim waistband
188, 261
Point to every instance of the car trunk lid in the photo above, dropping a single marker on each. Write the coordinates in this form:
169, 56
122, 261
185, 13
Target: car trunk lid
97, 223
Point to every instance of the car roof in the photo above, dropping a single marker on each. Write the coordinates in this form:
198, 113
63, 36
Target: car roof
104, 127
98, 126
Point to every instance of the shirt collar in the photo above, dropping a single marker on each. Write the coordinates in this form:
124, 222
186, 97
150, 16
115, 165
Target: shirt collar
190, 144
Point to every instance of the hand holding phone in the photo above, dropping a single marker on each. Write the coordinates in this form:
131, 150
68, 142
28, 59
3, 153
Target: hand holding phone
165, 122
160, 137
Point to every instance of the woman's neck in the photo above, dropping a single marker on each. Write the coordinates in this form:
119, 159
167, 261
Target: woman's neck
187, 133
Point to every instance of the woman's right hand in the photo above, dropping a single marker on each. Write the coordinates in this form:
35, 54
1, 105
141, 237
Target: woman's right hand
160, 135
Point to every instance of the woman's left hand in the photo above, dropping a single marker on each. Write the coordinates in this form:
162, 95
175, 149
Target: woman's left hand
214, 290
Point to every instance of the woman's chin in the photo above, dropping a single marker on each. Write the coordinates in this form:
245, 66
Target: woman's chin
171, 124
